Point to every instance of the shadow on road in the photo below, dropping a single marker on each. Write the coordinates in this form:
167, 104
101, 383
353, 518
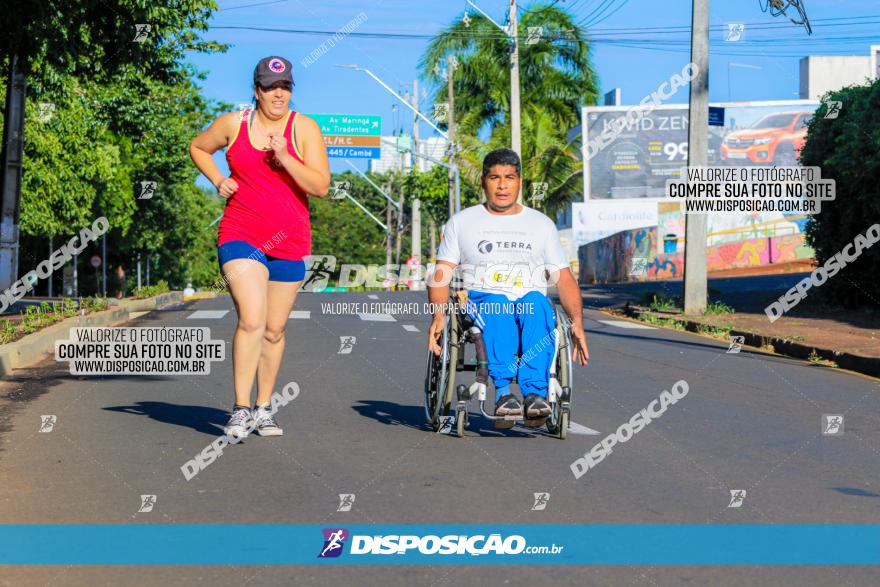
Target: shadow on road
854, 491
199, 418
392, 414
414, 417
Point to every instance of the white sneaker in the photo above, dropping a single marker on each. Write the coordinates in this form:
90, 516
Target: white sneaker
239, 424
265, 424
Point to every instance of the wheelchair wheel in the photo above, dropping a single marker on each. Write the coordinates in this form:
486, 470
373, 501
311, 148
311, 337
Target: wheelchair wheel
436, 378
557, 423
461, 418
440, 374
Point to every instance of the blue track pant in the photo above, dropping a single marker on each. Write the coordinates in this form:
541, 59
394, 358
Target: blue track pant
528, 323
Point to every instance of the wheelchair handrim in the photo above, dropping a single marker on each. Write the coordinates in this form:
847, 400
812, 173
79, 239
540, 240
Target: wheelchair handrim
437, 385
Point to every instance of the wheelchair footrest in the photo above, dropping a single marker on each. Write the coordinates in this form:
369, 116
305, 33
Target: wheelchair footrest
535, 422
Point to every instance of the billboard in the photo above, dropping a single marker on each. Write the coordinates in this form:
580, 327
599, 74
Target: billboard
632, 157
596, 219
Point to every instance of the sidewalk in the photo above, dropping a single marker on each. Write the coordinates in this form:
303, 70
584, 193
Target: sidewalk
847, 338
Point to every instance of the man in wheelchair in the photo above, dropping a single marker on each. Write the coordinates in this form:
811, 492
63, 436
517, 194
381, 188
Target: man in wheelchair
507, 254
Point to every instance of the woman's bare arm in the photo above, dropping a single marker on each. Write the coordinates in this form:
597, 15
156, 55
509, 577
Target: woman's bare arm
314, 175
211, 140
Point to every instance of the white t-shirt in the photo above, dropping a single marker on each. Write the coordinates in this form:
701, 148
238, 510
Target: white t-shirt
503, 254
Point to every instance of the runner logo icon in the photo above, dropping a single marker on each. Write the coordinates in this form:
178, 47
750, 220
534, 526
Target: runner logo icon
334, 540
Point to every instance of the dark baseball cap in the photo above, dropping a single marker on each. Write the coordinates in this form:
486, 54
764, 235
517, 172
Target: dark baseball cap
273, 69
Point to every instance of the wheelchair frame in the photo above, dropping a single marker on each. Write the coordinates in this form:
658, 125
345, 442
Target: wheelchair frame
443, 396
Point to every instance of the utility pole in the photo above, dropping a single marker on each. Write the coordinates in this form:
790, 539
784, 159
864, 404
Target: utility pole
388, 235
416, 220
450, 96
515, 136
13, 141
695, 286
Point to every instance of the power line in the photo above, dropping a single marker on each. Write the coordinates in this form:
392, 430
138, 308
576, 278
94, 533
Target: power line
610, 14
601, 7
251, 5
593, 38
593, 34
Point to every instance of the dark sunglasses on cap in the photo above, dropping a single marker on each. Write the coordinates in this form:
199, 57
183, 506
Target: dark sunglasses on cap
279, 84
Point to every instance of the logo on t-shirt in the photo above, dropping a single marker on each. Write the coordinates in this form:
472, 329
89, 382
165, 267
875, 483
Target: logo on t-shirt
488, 246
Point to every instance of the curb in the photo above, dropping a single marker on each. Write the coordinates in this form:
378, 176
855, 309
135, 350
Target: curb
858, 363
40, 345
146, 304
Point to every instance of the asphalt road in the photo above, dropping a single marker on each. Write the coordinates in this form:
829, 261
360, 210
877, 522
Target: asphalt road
750, 421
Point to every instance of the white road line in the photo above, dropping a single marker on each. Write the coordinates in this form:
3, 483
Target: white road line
625, 324
575, 428
377, 317
300, 314
410, 328
133, 315
373, 297
207, 314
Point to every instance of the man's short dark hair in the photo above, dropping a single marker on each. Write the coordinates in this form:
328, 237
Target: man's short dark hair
501, 157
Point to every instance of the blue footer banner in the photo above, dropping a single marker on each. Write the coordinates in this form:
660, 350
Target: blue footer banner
414, 544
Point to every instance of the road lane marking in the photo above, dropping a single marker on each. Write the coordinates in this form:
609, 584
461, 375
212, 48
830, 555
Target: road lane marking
410, 328
300, 314
625, 324
133, 315
373, 297
575, 428
377, 317
207, 314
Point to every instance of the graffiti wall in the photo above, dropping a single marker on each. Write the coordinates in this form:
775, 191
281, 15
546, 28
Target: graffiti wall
610, 260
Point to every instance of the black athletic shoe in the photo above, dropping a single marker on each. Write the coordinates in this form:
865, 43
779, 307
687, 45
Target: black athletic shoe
536, 407
507, 405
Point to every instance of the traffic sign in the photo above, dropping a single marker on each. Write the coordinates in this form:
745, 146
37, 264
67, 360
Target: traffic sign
348, 141
360, 125
354, 152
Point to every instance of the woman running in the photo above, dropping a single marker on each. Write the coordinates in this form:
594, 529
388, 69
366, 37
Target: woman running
277, 158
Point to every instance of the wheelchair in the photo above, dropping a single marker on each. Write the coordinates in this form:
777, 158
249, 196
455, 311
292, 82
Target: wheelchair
444, 398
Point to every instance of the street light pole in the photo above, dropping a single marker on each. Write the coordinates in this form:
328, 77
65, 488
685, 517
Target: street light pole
396, 95
513, 35
455, 193
695, 286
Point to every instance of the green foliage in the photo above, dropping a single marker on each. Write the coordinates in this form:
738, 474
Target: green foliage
660, 302
124, 112
341, 229
847, 149
716, 307
149, 291
432, 189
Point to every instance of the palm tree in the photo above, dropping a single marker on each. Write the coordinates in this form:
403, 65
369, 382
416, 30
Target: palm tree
556, 79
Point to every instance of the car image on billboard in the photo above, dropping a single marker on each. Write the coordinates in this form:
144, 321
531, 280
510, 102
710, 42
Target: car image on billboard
774, 139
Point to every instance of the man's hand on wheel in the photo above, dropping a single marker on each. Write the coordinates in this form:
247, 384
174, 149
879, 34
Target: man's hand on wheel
435, 332
579, 351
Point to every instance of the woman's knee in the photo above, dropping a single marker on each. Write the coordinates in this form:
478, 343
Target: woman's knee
273, 335
251, 324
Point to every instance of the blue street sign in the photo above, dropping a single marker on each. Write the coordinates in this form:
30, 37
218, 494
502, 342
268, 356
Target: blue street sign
716, 116
354, 152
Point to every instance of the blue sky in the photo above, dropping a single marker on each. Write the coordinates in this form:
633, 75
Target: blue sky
627, 53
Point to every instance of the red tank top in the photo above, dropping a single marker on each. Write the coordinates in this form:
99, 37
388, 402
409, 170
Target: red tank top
270, 210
